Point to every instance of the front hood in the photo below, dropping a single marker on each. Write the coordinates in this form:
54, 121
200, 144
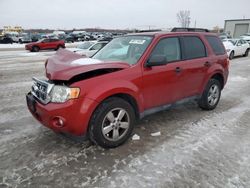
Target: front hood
64, 65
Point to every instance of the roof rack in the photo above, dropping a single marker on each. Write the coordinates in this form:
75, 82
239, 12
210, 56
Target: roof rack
184, 29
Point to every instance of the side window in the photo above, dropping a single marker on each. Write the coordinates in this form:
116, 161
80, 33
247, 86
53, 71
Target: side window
193, 47
46, 40
216, 45
96, 46
169, 47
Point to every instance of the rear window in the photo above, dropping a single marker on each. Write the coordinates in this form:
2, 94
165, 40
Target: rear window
216, 45
193, 47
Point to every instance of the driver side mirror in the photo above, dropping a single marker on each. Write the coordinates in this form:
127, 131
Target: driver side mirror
156, 60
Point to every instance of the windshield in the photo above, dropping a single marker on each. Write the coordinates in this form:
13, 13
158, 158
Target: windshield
126, 49
85, 45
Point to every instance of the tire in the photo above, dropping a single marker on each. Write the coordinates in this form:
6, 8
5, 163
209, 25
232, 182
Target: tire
59, 47
35, 49
211, 95
231, 55
106, 129
246, 53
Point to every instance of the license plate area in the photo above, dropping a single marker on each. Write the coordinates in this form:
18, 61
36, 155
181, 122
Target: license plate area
31, 102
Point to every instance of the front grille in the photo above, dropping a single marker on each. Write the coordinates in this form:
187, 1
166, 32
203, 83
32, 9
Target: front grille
41, 90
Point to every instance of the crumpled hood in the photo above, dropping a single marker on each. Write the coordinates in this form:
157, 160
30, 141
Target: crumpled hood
65, 64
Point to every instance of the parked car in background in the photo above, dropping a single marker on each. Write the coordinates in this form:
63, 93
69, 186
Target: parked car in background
69, 39
45, 44
246, 37
89, 48
6, 40
224, 36
24, 38
13, 36
101, 98
236, 47
35, 37
105, 39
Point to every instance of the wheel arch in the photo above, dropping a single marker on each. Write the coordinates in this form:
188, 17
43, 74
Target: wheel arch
130, 99
218, 76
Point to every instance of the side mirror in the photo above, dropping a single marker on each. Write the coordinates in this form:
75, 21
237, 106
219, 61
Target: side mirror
239, 44
156, 60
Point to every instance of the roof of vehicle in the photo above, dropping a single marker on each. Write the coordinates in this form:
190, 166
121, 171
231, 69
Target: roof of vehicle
163, 33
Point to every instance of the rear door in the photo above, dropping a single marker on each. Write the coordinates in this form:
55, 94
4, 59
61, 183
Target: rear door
194, 66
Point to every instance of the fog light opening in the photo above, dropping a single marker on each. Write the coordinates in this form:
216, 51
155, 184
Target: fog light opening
58, 121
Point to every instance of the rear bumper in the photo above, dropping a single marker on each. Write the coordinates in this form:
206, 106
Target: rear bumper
75, 115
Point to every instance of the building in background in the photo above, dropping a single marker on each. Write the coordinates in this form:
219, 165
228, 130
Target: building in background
237, 27
8, 29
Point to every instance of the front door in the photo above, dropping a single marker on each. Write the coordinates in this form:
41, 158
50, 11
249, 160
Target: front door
159, 82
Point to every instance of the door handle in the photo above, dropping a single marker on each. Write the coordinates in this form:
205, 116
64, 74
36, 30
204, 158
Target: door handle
207, 64
178, 69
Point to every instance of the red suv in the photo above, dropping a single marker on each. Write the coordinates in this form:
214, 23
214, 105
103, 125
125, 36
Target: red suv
131, 77
45, 44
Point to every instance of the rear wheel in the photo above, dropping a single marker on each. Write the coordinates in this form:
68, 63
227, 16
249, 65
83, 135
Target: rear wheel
231, 56
59, 47
211, 95
112, 123
246, 53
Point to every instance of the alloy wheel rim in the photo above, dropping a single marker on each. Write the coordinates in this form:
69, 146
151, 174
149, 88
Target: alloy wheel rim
213, 95
115, 124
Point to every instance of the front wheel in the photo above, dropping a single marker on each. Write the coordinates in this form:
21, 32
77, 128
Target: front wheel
112, 123
231, 55
211, 95
246, 53
35, 49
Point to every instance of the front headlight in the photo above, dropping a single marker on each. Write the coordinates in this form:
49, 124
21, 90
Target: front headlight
228, 50
60, 94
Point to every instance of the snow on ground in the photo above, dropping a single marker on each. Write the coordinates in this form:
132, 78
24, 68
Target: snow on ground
14, 45
195, 148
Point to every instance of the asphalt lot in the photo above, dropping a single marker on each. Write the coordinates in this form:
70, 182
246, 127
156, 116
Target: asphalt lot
195, 149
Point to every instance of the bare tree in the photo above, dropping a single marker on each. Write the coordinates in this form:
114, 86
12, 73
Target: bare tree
183, 17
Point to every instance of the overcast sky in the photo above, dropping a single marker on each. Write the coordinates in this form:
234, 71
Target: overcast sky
118, 14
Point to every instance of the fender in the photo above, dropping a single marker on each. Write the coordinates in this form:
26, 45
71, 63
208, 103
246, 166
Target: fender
215, 69
114, 87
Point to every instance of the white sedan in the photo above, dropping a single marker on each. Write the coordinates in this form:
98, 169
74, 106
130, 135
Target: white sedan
89, 48
236, 47
246, 37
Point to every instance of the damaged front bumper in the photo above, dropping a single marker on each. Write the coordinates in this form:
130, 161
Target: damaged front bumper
70, 118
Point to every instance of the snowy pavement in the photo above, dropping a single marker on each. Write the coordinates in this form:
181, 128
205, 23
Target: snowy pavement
180, 147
